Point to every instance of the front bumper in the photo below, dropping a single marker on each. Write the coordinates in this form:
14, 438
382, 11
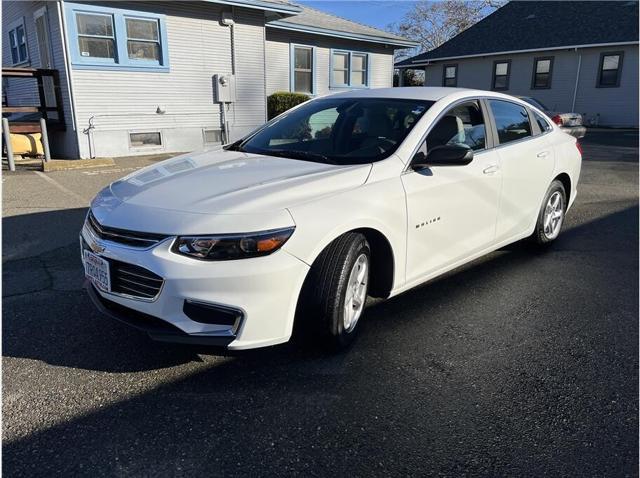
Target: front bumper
263, 290
156, 328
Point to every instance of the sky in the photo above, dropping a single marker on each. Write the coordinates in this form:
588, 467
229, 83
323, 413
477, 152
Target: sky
376, 13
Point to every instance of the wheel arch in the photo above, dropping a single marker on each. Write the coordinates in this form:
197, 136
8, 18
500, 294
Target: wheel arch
383, 260
565, 179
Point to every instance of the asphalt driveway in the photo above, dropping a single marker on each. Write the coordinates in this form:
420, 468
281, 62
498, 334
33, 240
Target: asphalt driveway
522, 363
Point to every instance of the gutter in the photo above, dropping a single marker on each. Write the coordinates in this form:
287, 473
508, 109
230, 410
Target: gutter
261, 5
284, 25
427, 61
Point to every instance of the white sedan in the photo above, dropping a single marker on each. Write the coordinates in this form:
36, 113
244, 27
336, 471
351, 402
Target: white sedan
363, 193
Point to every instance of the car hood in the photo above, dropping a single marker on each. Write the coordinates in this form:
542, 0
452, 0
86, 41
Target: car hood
220, 183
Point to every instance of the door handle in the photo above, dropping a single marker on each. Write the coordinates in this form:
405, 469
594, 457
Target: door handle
491, 169
543, 154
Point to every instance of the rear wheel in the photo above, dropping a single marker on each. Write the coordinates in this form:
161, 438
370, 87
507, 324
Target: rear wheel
337, 289
551, 215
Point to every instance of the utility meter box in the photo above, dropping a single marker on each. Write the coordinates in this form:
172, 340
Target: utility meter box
225, 88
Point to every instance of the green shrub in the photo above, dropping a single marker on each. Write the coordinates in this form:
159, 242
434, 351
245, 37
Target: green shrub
281, 101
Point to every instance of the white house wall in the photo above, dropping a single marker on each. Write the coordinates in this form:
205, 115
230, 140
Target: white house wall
199, 47
278, 60
604, 106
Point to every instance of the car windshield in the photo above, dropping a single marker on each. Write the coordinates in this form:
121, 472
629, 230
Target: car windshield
534, 102
338, 131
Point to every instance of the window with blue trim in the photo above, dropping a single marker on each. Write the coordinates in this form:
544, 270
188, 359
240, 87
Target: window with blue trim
18, 42
350, 69
104, 37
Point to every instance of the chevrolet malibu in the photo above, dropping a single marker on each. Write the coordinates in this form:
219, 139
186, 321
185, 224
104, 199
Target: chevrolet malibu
362, 193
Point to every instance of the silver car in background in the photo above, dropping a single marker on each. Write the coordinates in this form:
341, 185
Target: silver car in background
570, 123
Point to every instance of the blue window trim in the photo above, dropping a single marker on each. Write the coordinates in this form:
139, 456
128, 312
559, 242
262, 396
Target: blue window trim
292, 59
11, 28
332, 84
122, 62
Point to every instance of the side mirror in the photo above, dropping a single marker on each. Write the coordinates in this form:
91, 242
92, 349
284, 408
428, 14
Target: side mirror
445, 155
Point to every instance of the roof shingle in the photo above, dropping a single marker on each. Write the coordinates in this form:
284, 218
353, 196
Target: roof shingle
539, 25
316, 18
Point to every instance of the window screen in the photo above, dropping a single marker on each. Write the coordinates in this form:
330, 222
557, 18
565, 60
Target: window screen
95, 35
450, 75
610, 67
501, 75
542, 73
143, 39
303, 69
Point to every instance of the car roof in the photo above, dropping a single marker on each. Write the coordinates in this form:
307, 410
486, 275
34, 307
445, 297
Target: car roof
427, 93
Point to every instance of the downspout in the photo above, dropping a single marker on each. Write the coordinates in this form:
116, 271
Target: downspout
264, 68
62, 25
575, 88
233, 41
224, 107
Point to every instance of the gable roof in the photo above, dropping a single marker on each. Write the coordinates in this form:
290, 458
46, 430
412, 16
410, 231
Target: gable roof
310, 20
540, 25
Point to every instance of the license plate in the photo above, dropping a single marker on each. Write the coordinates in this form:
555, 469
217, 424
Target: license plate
96, 269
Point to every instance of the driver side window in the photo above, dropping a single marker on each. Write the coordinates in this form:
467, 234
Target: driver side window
463, 124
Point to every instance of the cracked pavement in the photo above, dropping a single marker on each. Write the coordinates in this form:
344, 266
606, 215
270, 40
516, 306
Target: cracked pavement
521, 363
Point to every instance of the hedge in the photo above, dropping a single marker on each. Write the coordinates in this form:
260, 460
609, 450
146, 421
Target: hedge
281, 101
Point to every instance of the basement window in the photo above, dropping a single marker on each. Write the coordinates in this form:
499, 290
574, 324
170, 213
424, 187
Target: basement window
212, 136
146, 139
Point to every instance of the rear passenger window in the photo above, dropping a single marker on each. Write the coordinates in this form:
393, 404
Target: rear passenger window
462, 124
543, 123
512, 121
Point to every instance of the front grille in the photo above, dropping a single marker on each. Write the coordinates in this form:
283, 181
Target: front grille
134, 280
122, 236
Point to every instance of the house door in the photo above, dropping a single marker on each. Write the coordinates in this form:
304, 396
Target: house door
41, 20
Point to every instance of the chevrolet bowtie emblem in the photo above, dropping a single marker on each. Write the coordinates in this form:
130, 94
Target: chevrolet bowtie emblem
95, 247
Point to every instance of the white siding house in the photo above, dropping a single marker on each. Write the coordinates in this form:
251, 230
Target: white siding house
139, 77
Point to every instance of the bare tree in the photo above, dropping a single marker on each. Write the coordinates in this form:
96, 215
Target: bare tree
433, 23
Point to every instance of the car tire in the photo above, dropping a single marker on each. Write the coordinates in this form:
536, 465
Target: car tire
551, 215
338, 284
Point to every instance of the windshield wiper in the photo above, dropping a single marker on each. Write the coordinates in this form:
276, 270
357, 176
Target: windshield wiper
295, 154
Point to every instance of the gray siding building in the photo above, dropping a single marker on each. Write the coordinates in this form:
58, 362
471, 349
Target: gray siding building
571, 56
142, 77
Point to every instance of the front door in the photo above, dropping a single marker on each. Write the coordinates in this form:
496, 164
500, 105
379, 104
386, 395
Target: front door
452, 210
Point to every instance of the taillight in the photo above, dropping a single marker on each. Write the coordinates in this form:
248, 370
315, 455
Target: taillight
579, 146
557, 119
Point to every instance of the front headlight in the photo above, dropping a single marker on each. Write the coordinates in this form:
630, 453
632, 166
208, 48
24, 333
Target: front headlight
224, 247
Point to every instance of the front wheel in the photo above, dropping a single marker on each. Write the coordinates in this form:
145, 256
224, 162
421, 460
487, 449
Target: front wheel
337, 289
551, 215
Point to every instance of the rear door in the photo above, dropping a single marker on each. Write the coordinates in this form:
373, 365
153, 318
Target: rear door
526, 162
